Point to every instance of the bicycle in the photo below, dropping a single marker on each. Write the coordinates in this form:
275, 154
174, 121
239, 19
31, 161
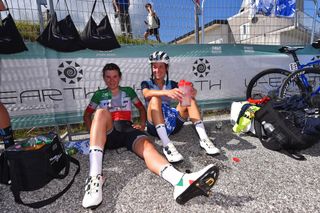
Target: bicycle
275, 82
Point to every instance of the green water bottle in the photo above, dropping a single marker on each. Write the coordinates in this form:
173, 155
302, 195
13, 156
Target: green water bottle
71, 151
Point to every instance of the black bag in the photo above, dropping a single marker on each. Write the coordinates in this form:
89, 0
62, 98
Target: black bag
4, 169
315, 100
61, 36
10, 38
99, 37
285, 137
33, 169
156, 18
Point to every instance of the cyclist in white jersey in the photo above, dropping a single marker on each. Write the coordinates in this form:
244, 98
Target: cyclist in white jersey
162, 120
111, 128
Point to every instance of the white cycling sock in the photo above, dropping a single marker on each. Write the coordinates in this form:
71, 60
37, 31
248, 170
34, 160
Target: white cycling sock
95, 157
200, 129
170, 174
162, 133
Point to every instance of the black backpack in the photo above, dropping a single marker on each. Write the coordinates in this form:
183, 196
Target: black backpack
156, 18
285, 134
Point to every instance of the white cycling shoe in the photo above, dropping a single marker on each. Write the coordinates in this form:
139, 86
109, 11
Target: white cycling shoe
172, 154
207, 145
93, 192
196, 184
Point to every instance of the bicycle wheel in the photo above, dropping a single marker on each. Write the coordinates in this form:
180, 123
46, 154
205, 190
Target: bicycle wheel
266, 83
293, 85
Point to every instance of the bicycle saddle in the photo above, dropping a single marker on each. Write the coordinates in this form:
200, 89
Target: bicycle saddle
289, 49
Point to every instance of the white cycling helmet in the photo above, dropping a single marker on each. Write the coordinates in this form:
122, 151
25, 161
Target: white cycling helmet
159, 56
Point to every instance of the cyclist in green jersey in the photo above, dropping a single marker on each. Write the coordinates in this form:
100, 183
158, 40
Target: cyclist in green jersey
111, 128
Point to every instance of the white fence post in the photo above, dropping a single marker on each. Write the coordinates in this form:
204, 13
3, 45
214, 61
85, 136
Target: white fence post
202, 21
315, 14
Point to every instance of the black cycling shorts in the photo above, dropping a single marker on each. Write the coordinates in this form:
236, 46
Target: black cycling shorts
151, 129
154, 31
123, 135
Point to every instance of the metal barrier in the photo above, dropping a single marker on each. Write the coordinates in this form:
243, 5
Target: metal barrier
224, 22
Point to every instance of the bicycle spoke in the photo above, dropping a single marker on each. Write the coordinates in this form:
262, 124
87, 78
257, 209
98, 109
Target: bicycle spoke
294, 86
266, 83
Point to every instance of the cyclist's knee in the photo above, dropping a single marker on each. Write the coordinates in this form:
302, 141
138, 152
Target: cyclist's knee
142, 145
4, 115
155, 102
102, 114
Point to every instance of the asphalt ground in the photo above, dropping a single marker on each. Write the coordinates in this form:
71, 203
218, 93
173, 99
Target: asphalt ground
252, 179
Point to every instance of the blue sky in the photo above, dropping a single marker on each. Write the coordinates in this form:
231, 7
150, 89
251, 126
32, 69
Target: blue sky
176, 24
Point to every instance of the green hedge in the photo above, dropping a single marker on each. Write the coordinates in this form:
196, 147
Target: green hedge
28, 31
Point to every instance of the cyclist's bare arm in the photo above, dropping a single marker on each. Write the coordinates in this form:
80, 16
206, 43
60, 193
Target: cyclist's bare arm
142, 116
175, 93
87, 119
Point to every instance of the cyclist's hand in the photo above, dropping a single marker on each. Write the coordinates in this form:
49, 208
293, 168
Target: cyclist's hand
175, 94
139, 126
193, 92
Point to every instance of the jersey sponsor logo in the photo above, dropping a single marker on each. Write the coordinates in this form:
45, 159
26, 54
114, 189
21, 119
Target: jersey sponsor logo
105, 104
106, 95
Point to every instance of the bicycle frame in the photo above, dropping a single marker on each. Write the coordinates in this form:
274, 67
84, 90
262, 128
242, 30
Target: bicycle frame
297, 66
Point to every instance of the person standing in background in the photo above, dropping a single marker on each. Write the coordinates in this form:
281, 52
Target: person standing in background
6, 133
152, 23
122, 9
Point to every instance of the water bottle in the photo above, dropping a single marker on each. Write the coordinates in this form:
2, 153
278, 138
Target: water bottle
219, 125
268, 127
31, 142
36, 142
41, 139
71, 151
186, 88
274, 133
1, 146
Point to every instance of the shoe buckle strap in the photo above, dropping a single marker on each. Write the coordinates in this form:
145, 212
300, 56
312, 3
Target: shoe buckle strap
208, 143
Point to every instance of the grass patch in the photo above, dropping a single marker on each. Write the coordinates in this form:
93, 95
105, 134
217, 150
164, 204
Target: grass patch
216, 112
127, 40
26, 133
28, 31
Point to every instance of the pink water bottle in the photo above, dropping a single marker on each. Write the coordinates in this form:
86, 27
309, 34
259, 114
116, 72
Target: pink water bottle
186, 88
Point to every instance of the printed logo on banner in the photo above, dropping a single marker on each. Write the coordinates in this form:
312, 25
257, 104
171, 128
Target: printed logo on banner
201, 67
70, 72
